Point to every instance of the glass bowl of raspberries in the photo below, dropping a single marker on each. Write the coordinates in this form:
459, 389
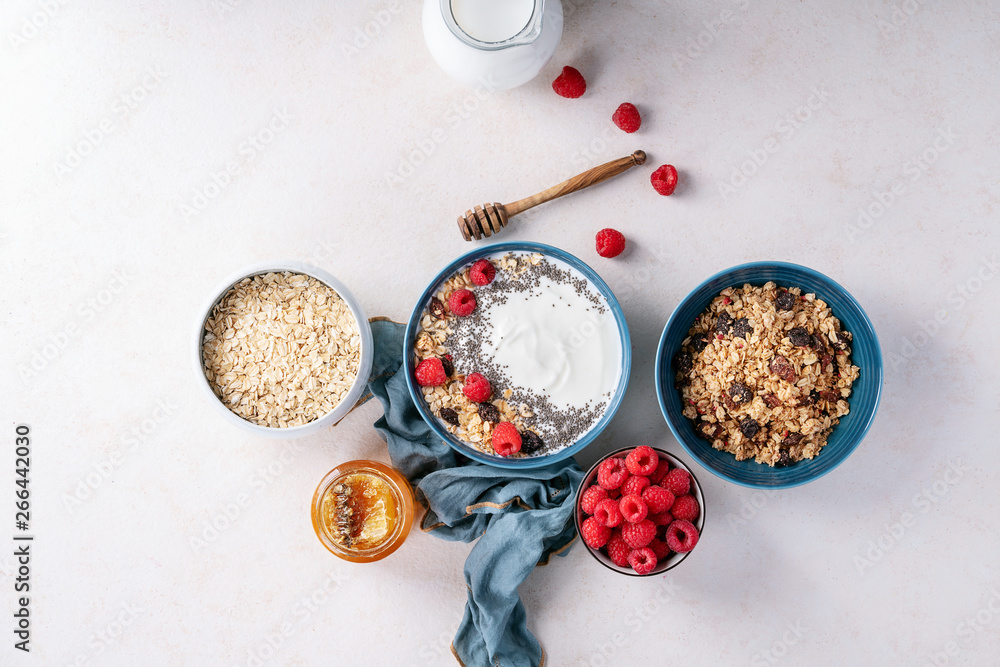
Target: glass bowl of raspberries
640, 511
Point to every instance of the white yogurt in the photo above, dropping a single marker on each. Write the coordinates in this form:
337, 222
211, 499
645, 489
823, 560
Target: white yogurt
492, 20
557, 344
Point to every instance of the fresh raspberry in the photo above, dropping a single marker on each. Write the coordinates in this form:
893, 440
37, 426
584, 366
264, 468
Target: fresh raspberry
610, 243
662, 468
682, 536
612, 473
482, 272
607, 512
570, 83
686, 508
635, 484
677, 482
661, 518
638, 535
618, 551
614, 494
664, 180
592, 496
462, 302
627, 118
506, 439
477, 388
657, 499
642, 461
595, 533
633, 508
659, 548
643, 560
430, 373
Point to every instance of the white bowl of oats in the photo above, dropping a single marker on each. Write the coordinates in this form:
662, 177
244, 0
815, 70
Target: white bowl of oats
283, 349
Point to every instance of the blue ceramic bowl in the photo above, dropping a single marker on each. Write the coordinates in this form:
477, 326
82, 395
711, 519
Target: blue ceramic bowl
865, 392
413, 326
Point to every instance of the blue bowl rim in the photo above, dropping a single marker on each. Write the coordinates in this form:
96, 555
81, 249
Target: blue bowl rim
594, 278
868, 331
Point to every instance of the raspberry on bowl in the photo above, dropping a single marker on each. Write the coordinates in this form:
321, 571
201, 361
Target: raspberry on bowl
647, 536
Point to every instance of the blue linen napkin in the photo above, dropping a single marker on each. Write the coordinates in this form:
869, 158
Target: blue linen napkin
521, 517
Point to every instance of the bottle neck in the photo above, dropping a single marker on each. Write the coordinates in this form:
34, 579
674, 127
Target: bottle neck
526, 35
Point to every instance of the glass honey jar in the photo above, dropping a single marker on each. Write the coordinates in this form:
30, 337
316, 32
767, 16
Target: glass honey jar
362, 511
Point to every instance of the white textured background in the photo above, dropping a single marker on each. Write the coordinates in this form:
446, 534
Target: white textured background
103, 276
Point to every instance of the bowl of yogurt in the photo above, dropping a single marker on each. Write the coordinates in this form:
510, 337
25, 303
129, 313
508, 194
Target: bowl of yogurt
519, 340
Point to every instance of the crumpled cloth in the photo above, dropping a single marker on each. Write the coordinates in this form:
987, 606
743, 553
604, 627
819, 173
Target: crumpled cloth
520, 517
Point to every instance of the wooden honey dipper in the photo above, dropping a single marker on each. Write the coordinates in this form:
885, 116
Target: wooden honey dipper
489, 219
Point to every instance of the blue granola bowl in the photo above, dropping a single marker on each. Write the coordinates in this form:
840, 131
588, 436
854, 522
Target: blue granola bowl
865, 392
413, 327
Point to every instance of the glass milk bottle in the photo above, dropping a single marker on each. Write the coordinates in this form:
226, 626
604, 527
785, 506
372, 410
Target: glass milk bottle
494, 44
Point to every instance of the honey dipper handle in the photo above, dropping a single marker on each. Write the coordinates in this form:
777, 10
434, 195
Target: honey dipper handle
580, 181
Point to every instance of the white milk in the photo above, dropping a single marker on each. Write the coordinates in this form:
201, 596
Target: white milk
492, 20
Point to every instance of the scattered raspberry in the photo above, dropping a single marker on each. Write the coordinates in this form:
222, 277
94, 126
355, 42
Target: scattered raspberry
642, 461
627, 118
570, 83
677, 482
607, 512
477, 388
594, 533
682, 536
610, 243
618, 551
506, 439
662, 468
462, 302
686, 508
612, 473
430, 373
658, 499
635, 484
643, 560
659, 548
592, 496
661, 518
482, 272
664, 180
638, 535
633, 508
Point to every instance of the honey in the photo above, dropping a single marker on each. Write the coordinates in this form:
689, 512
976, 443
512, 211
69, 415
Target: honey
362, 510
